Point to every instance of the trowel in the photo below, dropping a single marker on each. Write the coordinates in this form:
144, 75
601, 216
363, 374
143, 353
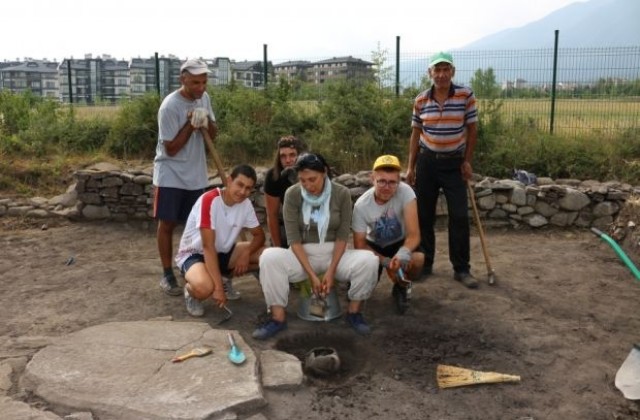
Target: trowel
628, 376
235, 355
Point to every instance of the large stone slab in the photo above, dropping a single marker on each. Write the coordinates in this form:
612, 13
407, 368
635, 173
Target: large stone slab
11, 409
123, 370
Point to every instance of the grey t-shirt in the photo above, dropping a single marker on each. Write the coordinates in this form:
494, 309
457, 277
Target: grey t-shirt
382, 223
186, 170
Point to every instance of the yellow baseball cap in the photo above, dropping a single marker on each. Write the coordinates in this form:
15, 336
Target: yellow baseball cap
387, 161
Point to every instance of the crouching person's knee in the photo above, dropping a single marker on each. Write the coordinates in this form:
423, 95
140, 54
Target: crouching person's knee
365, 276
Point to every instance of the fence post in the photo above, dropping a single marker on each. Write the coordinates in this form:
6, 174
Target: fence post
553, 86
158, 75
397, 66
264, 59
69, 81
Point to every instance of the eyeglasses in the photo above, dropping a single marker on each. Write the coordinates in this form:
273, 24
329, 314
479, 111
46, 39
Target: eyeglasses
386, 183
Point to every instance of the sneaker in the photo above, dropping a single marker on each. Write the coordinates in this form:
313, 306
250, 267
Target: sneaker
269, 329
357, 322
169, 285
194, 306
227, 285
399, 294
466, 278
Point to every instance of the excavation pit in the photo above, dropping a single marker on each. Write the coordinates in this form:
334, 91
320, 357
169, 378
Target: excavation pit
326, 356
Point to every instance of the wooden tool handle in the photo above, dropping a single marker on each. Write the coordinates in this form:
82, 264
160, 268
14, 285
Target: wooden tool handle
476, 217
183, 357
214, 154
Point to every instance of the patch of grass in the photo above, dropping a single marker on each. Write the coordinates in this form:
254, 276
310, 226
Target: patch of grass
47, 177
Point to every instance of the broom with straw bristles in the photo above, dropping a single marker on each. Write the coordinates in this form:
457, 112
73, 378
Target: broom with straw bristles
452, 376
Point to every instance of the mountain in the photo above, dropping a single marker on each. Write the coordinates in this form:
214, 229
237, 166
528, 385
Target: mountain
596, 23
597, 39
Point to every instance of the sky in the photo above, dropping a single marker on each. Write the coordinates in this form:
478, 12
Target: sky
291, 29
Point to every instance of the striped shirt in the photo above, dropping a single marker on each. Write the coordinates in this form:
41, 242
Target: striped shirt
443, 125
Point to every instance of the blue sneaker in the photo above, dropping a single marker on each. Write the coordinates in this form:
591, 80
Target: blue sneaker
357, 322
268, 330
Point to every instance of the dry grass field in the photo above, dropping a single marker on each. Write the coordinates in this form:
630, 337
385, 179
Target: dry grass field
96, 111
572, 116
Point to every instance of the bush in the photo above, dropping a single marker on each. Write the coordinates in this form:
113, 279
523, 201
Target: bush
134, 133
356, 124
27, 123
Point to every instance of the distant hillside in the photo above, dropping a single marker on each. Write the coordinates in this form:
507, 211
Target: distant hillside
596, 23
597, 39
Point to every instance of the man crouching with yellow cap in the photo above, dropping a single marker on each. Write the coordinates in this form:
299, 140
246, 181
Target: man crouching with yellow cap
385, 221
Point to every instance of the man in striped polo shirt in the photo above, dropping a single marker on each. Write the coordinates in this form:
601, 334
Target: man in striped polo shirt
443, 136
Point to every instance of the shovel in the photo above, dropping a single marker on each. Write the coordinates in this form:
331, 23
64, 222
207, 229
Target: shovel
197, 352
236, 356
628, 376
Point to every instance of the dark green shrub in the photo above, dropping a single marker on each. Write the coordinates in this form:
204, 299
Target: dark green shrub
134, 133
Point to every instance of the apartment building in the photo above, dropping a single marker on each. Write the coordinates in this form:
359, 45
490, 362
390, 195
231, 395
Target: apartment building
221, 71
339, 68
142, 74
292, 70
94, 80
104, 79
37, 76
248, 73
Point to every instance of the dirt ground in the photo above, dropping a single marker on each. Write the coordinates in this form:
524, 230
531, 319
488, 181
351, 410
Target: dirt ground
563, 315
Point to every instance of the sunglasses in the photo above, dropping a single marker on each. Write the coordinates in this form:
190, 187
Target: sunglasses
288, 142
309, 161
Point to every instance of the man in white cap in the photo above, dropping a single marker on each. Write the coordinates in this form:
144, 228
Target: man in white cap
180, 166
385, 221
443, 136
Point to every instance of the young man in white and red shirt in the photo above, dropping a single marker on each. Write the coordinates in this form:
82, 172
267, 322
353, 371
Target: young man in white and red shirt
208, 254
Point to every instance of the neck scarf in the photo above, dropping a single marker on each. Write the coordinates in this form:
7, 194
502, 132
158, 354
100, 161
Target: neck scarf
321, 215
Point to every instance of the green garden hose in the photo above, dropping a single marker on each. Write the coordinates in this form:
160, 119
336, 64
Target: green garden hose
625, 259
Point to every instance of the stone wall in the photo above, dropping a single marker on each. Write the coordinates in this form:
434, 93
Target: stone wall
107, 192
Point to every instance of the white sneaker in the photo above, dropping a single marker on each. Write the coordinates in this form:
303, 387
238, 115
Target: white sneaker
227, 285
194, 306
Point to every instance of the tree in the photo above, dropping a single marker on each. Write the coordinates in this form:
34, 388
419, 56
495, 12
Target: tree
484, 84
382, 73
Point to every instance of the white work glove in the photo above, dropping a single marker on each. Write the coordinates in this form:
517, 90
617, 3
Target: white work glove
200, 118
404, 257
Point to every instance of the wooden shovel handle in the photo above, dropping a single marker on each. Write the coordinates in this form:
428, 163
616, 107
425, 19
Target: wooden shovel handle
214, 154
476, 217
219, 165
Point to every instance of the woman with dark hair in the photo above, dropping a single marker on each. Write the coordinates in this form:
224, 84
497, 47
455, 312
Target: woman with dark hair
317, 220
277, 180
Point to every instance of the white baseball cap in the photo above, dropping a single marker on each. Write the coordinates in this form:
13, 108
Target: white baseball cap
195, 67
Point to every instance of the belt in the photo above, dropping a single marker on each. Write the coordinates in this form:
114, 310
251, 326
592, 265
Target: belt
441, 155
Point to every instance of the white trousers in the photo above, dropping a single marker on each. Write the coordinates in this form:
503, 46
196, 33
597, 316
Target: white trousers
279, 267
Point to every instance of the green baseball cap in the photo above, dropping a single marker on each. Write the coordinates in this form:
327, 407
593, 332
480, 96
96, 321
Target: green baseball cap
441, 57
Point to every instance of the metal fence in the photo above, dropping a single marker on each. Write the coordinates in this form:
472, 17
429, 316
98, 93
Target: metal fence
561, 90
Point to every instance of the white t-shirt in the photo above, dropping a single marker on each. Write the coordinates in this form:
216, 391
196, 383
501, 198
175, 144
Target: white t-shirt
210, 212
382, 223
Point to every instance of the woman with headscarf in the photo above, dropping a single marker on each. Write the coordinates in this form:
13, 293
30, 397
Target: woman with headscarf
317, 219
